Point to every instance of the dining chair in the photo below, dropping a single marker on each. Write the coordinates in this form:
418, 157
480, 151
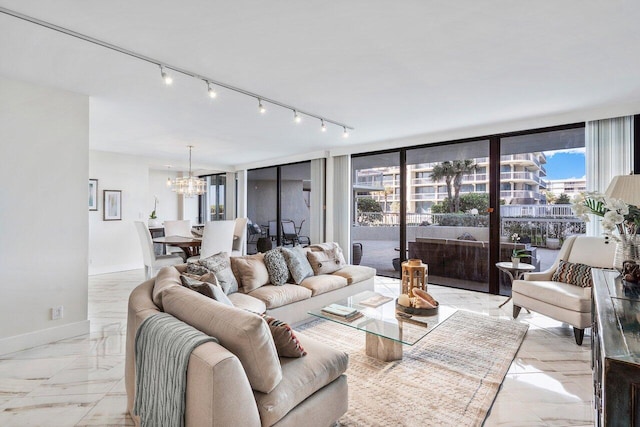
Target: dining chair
239, 237
153, 262
217, 237
180, 228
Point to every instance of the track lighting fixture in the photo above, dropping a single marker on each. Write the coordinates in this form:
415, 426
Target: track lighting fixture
165, 70
345, 134
212, 93
165, 76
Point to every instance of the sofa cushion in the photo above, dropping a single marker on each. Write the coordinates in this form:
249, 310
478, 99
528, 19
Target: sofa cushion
285, 340
356, 273
220, 265
276, 266
301, 378
167, 277
326, 261
556, 293
323, 283
241, 332
277, 296
247, 302
573, 274
250, 271
208, 289
297, 263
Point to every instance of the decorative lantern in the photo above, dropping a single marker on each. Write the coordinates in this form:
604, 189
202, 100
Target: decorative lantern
414, 275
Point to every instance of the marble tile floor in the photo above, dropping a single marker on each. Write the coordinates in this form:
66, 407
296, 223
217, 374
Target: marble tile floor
80, 381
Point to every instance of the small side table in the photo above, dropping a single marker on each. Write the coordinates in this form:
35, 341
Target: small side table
513, 272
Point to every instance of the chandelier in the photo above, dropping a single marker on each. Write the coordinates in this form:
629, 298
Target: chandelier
189, 186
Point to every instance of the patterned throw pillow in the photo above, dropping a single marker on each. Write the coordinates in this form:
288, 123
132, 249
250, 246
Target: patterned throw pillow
298, 264
287, 344
208, 289
219, 265
194, 268
327, 261
276, 266
573, 274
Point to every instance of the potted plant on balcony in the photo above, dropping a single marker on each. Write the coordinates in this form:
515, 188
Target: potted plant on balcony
516, 254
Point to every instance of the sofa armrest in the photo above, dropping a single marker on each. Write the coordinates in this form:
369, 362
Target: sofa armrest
218, 391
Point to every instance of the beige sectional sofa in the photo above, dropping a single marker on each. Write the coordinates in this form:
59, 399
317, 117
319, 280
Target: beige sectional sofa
241, 380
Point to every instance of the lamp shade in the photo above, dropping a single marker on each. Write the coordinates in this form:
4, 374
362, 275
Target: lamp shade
625, 188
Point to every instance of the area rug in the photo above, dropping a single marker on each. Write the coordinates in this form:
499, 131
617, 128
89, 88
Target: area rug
449, 378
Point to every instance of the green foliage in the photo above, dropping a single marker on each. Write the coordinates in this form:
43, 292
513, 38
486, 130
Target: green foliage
563, 199
452, 173
367, 204
468, 201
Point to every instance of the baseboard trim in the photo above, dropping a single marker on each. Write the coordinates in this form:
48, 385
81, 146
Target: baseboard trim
43, 336
93, 271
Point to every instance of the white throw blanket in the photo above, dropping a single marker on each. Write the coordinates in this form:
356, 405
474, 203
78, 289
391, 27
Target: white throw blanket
163, 346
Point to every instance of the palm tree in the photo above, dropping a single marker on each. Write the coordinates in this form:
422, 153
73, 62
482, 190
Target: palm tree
444, 170
452, 172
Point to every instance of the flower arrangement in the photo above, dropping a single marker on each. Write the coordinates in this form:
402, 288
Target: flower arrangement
615, 213
155, 205
517, 253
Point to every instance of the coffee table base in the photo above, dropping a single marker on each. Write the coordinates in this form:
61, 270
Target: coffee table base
382, 348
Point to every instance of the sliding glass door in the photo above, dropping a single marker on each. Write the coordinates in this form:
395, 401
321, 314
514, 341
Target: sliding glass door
447, 220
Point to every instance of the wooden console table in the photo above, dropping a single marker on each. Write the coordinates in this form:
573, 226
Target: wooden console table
615, 346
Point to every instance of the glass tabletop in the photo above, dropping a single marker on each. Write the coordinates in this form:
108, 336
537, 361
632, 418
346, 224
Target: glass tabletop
383, 321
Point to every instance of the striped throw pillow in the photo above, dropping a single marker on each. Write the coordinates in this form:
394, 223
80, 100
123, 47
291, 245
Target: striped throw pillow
287, 344
573, 274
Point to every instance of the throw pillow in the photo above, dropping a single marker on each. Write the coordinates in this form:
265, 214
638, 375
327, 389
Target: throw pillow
573, 274
220, 265
208, 289
250, 271
276, 266
326, 261
194, 267
287, 344
298, 263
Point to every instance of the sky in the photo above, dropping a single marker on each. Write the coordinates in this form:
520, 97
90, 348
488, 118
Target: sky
565, 164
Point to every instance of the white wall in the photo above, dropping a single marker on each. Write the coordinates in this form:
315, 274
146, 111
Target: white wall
114, 245
44, 145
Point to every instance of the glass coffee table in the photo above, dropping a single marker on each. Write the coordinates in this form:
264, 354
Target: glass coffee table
386, 330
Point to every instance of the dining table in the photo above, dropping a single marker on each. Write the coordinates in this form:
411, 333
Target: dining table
189, 245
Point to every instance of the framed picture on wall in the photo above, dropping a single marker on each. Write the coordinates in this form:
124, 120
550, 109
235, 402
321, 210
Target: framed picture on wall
93, 194
112, 205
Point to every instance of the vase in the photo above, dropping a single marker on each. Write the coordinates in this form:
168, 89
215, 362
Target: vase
627, 249
515, 261
154, 223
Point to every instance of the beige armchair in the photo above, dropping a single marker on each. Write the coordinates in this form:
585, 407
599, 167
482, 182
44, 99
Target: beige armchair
562, 301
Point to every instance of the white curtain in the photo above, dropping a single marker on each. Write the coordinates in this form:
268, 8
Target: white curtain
338, 202
609, 152
317, 202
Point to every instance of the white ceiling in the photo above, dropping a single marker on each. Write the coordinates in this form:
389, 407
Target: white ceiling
390, 69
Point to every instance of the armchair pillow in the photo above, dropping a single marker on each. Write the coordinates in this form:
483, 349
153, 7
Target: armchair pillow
573, 274
287, 344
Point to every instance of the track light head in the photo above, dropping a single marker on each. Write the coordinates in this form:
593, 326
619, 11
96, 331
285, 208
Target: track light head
165, 76
296, 117
261, 107
212, 93
345, 134
323, 127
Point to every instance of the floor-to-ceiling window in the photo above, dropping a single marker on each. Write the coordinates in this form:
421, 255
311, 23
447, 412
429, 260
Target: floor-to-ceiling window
279, 197
212, 203
469, 197
447, 224
376, 211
